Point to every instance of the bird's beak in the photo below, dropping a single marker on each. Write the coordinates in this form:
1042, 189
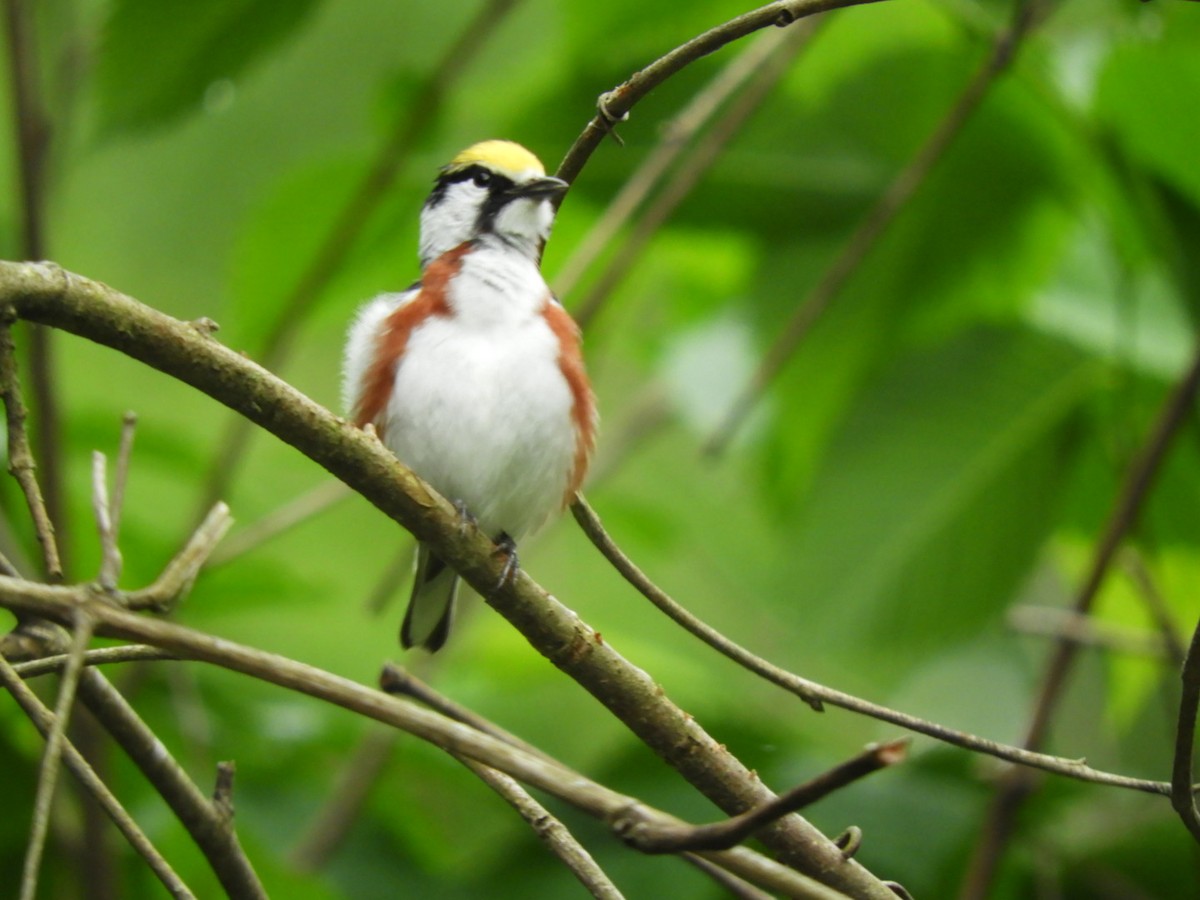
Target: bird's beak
548, 186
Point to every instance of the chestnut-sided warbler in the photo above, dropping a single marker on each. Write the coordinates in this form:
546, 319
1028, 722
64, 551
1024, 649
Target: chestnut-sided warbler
473, 376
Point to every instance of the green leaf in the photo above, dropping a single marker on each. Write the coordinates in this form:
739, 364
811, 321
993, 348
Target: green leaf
936, 494
159, 60
1146, 93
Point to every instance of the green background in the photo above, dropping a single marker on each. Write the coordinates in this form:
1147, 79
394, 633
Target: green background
943, 447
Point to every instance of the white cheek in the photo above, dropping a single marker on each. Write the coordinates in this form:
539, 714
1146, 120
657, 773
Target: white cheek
451, 222
529, 219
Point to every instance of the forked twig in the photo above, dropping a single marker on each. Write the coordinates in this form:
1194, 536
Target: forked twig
180, 574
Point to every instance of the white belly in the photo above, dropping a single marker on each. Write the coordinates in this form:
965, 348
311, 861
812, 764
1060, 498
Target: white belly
485, 416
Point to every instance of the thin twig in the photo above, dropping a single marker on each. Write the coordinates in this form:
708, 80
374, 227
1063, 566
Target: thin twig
43, 720
397, 681
52, 755
400, 682
98, 657
614, 106
1183, 796
873, 226
209, 827
1010, 795
279, 521
736, 887
784, 47
110, 553
413, 121
549, 830
816, 694
20, 457
180, 574
732, 831
673, 140
121, 476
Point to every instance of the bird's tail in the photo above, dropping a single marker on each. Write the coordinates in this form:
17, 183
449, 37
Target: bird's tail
427, 620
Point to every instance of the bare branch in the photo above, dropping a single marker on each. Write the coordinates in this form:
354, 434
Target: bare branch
549, 830
98, 657
735, 886
1135, 567
206, 821
734, 830
61, 602
43, 719
873, 226
179, 576
52, 755
110, 565
615, 105
400, 682
673, 140
43, 293
121, 477
20, 457
765, 75
816, 695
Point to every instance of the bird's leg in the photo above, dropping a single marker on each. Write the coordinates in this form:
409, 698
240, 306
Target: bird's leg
506, 545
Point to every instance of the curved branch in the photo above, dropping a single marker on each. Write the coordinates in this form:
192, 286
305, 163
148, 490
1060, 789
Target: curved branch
816, 695
615, 105
45, 293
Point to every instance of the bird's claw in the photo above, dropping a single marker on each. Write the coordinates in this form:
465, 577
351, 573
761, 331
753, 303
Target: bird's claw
506, 545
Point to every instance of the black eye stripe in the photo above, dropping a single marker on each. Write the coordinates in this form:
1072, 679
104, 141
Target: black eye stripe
480, 175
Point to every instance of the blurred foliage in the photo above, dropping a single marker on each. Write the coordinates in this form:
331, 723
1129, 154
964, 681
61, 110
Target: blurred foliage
945, 444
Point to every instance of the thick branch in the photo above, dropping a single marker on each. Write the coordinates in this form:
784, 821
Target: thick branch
46, 294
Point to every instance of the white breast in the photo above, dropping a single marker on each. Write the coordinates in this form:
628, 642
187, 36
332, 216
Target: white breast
480, 408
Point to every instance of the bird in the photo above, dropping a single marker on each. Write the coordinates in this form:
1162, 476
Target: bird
474, 376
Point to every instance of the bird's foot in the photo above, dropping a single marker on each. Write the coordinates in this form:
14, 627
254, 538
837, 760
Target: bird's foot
506, 545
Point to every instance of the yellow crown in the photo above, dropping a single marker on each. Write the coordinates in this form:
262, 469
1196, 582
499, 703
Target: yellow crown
503, 156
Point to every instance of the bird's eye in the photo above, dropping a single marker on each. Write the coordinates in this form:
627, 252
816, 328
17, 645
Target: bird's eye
482, 178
